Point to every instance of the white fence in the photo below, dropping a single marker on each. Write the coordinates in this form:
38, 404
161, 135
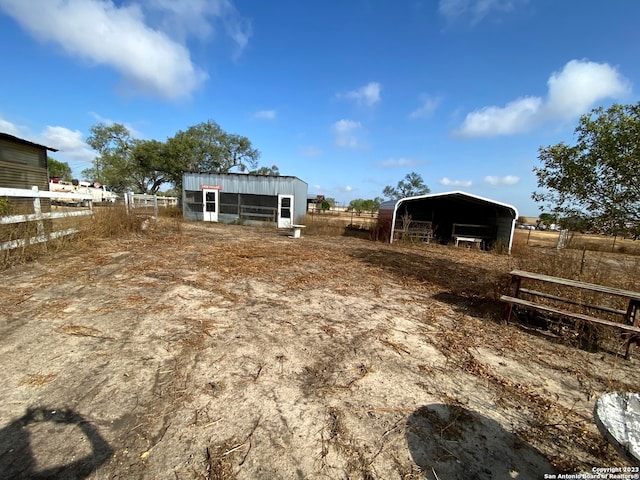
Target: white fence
38, 216
141, 204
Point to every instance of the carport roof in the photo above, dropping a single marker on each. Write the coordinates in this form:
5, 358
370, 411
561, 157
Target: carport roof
394, 204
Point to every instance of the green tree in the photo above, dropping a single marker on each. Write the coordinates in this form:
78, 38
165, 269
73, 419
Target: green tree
58, 169
547, 219
126, 163
598, 178
113, 164
360, 205
149, 165
207, 148
411, 185
330, 201
272, 170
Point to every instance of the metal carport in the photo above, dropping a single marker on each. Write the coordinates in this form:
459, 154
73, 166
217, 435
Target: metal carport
451, 216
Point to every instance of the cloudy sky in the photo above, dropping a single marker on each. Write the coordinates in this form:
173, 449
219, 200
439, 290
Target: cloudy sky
348, 96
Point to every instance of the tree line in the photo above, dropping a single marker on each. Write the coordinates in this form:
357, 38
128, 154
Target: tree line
131, 164
591, 185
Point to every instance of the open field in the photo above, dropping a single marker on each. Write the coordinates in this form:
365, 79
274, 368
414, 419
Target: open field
207, 351
580, 241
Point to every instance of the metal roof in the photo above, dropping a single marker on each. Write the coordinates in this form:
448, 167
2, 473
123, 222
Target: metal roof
12, 138
393, 204
508, 213
245, 175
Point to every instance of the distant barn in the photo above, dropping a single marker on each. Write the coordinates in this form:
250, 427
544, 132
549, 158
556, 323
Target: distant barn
452, 217
253, 199
23, 164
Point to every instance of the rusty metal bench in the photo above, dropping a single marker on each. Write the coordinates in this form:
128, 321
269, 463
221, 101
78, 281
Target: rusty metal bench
630, 320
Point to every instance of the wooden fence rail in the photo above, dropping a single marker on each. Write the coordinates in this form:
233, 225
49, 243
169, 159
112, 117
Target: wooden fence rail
39, 216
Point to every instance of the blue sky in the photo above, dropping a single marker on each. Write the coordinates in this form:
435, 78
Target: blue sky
349, 96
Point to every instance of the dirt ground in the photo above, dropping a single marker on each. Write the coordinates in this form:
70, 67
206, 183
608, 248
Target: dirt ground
216, 351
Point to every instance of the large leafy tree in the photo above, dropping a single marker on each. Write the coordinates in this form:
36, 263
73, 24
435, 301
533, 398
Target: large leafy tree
207, 148
412, 184
125, 163
149, 165
113, 164
58, 169
598, 178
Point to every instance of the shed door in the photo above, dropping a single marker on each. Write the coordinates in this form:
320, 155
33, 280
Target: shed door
285, 211
210, 204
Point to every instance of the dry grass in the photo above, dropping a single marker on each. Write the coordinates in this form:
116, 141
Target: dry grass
456, 289
106, 222
592, 266
579, 241
37, 379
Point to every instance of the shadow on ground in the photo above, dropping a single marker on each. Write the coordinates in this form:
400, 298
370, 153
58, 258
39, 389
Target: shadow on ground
449, 441
467, 285
30, 447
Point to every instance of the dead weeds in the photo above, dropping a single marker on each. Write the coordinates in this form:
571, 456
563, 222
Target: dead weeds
341, 349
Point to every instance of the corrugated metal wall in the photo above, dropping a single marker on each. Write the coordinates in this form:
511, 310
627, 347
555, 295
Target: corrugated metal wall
268, 185
22, 166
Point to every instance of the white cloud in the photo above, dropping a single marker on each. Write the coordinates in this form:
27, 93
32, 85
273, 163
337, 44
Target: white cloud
197, 17
574, 90
506, 180
345, 131
447, 182
571, 93
68, 142
399, 162
11, 128
346, 189
518, 116
427, 107
151, 60
265, 114
368, 95
476, 9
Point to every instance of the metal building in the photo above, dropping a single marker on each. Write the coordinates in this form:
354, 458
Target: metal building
236, 197
23, 164
451, 217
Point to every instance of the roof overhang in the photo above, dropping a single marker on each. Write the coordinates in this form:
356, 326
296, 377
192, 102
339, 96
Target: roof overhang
461, 195
12, 138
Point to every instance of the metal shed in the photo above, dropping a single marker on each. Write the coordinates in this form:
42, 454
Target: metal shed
252, 199
23, 164
451, 217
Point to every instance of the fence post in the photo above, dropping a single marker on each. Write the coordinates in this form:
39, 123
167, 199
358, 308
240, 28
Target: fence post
562, 239
37, 209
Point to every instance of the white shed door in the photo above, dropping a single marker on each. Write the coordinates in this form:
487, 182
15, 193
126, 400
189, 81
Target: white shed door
285, 211
210, 204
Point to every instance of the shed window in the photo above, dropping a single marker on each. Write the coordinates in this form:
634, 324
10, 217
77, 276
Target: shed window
229, 203
193, 200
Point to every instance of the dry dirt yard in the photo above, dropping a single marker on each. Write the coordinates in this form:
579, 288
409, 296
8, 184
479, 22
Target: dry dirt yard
219, 351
